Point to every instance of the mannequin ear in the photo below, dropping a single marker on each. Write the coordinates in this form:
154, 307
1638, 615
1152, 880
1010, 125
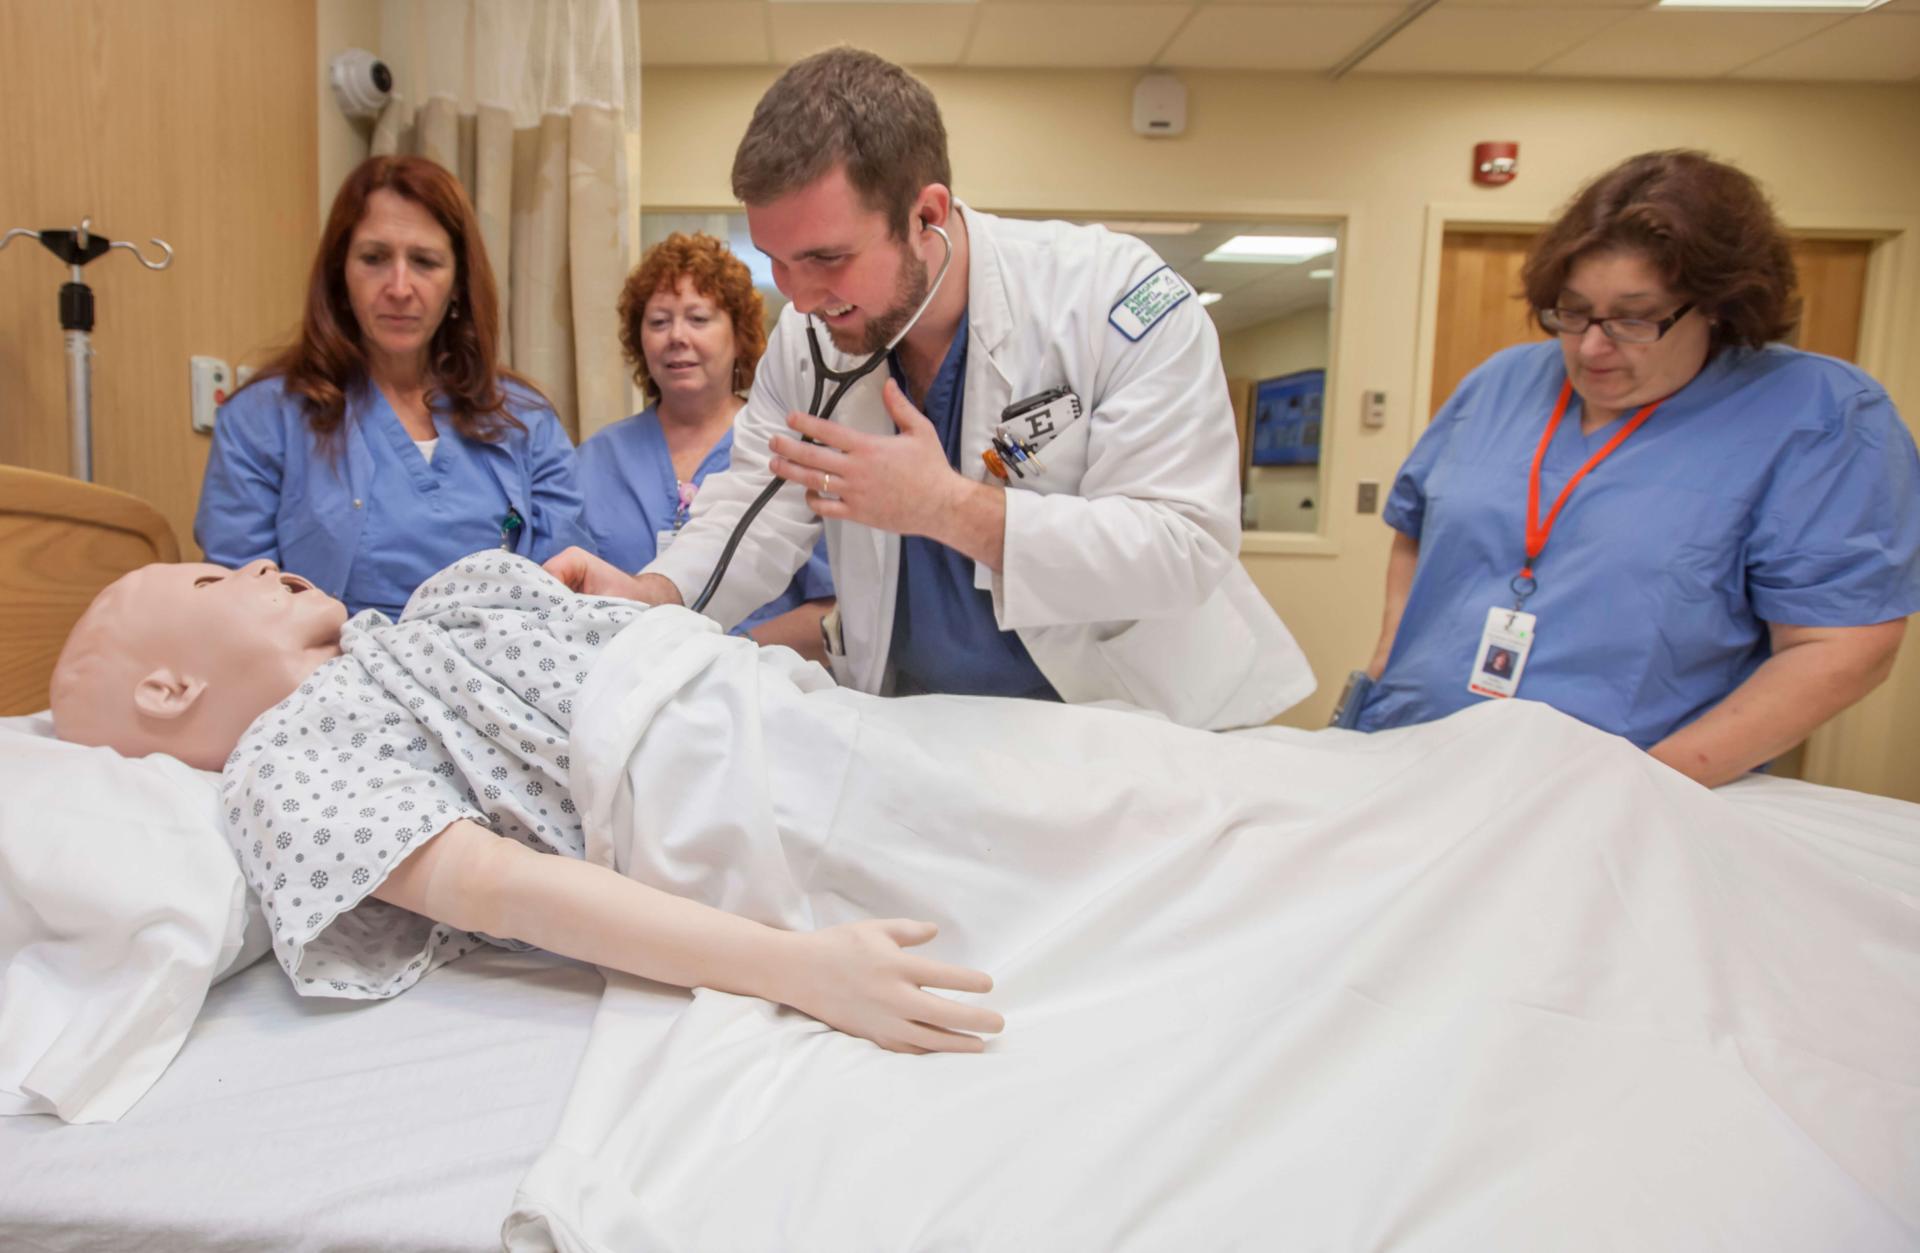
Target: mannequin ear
166, 694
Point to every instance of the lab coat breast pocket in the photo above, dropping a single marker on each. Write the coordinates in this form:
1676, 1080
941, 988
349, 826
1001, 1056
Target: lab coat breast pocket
1064, 463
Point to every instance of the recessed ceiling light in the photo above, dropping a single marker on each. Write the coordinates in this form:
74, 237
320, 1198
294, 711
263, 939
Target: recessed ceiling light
1320, 274
1274, 249
1773, 6
1210, 297
1152, 228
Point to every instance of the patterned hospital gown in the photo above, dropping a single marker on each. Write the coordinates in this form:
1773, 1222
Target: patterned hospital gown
461, 709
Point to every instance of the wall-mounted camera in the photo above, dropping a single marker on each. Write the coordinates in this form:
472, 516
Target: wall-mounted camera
362, 83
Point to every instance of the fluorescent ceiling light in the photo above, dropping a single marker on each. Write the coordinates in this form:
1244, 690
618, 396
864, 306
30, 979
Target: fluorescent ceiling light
1320, 274
1775, 6
1152, 228
1274, 249
1210, 297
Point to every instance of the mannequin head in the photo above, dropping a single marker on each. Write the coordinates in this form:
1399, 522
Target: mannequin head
180, 658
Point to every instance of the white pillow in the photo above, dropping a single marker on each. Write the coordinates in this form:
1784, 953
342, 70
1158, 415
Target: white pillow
120, 905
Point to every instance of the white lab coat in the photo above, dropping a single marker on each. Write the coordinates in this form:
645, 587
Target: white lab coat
1121, 572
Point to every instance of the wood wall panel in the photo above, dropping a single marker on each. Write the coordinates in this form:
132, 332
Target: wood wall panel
193, 121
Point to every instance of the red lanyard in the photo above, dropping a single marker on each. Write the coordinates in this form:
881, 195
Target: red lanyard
1539, 532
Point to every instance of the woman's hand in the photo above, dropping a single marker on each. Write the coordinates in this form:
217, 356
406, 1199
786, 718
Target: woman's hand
859, 978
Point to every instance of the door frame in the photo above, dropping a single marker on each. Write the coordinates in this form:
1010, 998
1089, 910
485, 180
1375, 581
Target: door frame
1854, 748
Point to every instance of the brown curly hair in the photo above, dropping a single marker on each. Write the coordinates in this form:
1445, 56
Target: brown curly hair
1704, 225
716, 274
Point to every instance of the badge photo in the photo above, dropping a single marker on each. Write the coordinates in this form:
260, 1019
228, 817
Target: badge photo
1501, 656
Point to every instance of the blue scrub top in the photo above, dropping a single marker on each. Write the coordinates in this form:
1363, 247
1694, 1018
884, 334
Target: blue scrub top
945, 637
371, 519
1775, 487
626, 475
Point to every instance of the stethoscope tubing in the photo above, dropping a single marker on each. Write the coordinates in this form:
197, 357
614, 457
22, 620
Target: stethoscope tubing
843, 381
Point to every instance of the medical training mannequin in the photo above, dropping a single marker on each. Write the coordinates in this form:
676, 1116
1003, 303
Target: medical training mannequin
186, 658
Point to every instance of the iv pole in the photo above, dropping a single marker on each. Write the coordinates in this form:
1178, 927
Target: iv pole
77, 247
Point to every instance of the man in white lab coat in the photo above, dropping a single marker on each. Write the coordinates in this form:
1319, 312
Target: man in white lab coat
1086, 550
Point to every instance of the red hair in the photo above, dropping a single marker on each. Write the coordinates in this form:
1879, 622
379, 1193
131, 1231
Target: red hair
463, 366
716, 274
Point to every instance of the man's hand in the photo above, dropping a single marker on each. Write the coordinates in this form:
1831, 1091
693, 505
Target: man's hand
590, 576
901, 483
859, 978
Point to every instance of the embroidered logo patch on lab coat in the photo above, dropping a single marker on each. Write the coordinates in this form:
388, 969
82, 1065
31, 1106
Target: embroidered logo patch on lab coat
1151, 299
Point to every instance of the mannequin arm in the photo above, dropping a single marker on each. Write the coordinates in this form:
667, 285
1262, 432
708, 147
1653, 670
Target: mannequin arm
857, 977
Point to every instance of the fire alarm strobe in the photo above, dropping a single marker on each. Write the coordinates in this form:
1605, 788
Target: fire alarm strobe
1495, 163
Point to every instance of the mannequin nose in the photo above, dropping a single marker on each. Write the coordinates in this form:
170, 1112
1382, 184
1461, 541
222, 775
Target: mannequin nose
260, 567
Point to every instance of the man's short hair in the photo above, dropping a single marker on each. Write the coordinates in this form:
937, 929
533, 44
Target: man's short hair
847, 106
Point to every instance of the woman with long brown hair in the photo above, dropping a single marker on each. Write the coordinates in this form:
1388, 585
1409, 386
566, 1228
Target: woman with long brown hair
389, 440
1662, 520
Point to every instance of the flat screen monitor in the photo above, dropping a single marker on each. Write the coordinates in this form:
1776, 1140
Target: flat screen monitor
1286, 419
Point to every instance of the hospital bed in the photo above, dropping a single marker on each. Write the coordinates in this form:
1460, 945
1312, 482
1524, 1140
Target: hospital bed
1385, 1116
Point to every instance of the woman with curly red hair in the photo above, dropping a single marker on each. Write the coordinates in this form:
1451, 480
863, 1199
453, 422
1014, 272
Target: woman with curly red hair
1718, 547
694, 328
389, 440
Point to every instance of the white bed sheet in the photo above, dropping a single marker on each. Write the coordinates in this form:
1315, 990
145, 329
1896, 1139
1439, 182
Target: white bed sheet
1498, 982
292, 1124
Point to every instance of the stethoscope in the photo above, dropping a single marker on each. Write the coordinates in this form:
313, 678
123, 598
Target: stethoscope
842, 380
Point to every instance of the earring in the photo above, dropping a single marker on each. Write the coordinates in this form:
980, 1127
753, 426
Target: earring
453, 309
739, 377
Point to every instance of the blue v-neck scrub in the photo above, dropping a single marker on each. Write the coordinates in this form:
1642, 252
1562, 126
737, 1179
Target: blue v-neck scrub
945, 636
1776, 487
370, 522
626, 477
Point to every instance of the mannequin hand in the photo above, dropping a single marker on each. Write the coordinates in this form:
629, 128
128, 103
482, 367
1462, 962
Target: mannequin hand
859, 979
900, 483
590, 576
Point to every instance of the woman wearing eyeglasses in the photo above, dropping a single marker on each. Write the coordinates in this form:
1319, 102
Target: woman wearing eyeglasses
1685, 533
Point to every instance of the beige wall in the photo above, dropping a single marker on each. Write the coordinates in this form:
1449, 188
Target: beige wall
1377, 152
1299, 341
192, 121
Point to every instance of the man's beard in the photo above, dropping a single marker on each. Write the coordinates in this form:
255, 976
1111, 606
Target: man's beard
908, 291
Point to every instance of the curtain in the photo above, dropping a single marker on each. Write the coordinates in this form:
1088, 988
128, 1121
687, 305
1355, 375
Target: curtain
530, 103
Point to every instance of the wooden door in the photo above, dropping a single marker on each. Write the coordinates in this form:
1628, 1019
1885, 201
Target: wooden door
1481, 309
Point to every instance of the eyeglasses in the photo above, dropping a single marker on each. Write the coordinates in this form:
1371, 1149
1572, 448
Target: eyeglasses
1619, 330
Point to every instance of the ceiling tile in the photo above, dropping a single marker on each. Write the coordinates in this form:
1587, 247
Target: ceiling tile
1486, 41
1072, 34
1685, 44
693, 33
1877, 46
910, 34
1276, 37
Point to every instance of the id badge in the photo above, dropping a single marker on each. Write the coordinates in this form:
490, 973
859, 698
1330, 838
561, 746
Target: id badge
662, 540
1501, 658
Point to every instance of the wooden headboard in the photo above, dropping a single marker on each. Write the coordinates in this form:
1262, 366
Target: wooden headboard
61, 541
